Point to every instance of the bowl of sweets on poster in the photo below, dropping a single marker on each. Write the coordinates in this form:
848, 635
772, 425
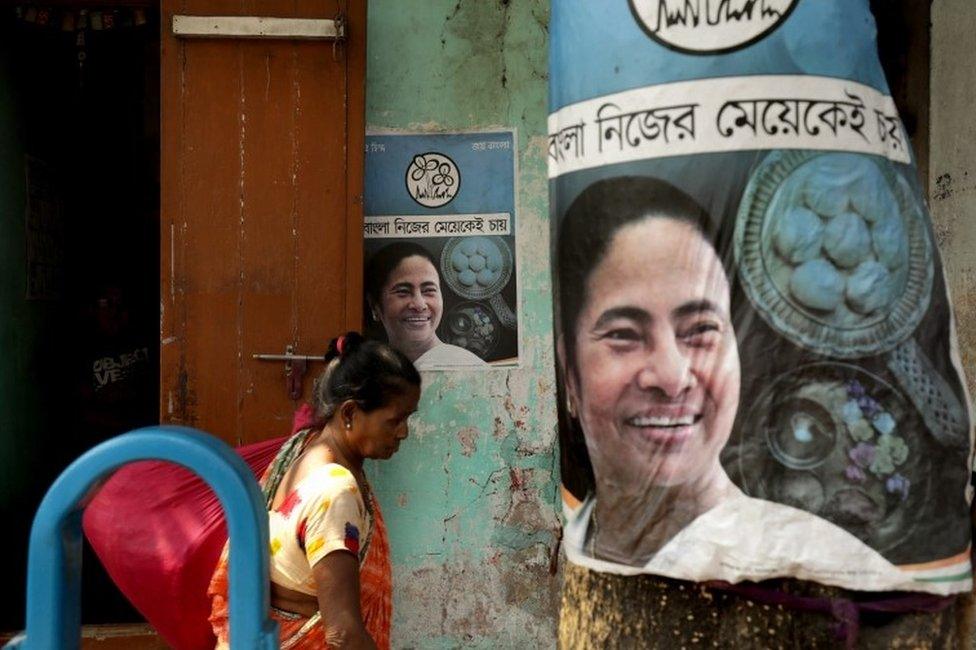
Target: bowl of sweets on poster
479, 268
840, 442
834, 251
473, 326
476, 267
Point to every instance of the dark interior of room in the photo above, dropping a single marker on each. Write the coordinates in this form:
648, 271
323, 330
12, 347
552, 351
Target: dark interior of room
86, 86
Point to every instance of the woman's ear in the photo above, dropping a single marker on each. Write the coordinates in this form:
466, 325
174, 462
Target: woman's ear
568, 377
374, 312
561, 354
347, 412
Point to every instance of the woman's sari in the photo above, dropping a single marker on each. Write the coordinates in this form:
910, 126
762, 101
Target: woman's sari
299, 632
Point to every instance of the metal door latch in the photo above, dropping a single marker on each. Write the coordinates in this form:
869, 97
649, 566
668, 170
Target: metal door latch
296, 365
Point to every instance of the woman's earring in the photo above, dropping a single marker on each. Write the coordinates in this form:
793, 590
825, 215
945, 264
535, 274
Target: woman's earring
348, 425
571, 407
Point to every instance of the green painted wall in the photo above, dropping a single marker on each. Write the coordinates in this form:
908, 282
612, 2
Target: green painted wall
471, 498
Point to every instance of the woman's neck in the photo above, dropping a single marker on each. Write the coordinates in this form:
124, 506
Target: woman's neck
630, 529
338, 448
415, 349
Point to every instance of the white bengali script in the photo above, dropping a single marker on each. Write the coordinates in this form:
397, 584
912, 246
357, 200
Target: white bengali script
726, 114
443, 225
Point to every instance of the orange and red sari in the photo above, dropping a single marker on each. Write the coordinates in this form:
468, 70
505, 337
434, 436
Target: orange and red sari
299, 632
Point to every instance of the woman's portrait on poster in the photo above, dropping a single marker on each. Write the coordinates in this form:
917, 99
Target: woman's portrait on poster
650, 360
403, 294
650, 386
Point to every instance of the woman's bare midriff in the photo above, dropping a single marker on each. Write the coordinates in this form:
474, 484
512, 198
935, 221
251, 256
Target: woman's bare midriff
293, 601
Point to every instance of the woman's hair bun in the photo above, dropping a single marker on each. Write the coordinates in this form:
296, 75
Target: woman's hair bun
367, 372
344, 345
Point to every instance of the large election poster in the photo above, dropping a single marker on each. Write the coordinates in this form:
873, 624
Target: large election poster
440, 271
757, 366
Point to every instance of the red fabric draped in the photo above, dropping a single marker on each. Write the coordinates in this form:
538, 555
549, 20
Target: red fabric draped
159, 530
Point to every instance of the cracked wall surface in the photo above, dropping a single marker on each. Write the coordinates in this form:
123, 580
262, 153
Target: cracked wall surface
952, 167
470, 499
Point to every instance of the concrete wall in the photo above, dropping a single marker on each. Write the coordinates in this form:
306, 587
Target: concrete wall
470, 499
952, 172
952, 166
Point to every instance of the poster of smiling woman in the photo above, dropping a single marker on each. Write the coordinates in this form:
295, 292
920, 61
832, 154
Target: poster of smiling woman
757, 367
440, 271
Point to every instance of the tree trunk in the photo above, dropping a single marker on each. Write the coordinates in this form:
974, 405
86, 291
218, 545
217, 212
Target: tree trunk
601, 610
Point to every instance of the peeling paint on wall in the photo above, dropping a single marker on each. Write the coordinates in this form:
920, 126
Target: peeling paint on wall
943, 186
470, 499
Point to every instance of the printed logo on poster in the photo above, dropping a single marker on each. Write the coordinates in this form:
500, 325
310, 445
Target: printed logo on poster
433, 179
710, 26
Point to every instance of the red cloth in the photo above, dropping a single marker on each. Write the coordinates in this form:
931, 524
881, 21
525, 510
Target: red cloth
159, 530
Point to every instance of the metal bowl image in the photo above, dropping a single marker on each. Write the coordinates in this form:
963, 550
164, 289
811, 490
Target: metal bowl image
473, 326
834, 252
476, 267
801, 433
842, 443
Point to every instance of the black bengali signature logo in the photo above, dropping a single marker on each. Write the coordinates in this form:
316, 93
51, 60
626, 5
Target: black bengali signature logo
433, 179
710, 26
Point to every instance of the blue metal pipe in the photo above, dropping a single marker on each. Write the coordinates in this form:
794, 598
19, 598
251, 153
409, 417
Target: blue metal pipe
54, 559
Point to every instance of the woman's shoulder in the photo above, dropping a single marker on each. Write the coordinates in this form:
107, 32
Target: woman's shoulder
776, 516
328, 479
445, 354
779, 525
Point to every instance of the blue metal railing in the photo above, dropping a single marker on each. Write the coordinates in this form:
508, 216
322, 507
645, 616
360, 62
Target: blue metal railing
54, 560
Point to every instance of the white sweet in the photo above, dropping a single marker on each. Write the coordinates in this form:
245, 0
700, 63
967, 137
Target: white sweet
818, 285
826, 202
459, 261
847, 240
486, 277
476, 262
469, 247
869, 287
829, 188
798, 235
467, 277
890, 243
872, 198
838, 170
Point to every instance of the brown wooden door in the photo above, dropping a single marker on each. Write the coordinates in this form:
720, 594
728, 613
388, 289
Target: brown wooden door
261, 211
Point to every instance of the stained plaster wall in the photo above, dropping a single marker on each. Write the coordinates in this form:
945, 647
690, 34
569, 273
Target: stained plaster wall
952, 170
470, 499
952, 167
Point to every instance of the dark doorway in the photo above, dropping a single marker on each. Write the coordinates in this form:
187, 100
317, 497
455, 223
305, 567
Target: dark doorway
904, 38
82, 86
